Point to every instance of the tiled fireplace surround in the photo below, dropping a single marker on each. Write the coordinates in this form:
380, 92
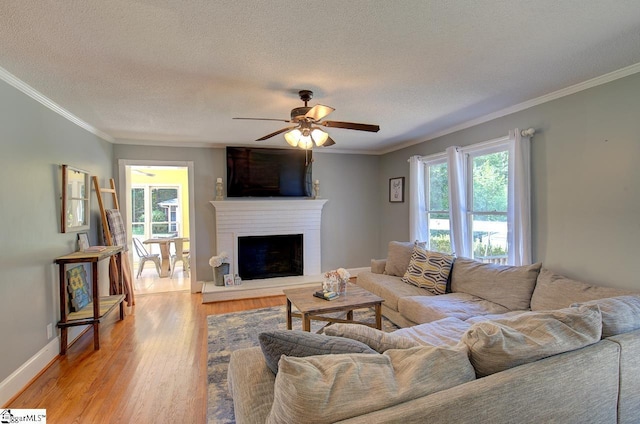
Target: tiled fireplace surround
260, 217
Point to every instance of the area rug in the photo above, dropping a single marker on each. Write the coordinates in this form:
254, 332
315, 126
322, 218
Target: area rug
239, 330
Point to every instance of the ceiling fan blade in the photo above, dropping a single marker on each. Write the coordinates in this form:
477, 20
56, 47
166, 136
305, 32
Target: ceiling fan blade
328, 142
351, 126
276, 133
264, 119
318, 112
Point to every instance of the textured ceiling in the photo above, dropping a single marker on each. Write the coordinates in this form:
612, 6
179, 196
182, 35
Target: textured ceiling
176, 71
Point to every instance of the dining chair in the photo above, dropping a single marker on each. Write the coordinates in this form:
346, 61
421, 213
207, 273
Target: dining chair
180, 254
145, 256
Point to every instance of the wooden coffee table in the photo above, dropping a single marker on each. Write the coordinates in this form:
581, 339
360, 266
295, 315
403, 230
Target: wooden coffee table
310, 307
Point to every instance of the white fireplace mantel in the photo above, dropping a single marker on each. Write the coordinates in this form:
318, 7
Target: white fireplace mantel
260, 217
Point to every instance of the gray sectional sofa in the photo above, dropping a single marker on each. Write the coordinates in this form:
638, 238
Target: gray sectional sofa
503, 345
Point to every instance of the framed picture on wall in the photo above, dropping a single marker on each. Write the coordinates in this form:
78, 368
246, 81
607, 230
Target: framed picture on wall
396, 190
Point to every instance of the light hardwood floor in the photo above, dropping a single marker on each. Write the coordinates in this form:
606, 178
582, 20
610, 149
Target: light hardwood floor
151, 367
150, 281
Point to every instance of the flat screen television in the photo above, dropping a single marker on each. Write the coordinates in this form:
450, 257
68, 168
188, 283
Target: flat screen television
262, 172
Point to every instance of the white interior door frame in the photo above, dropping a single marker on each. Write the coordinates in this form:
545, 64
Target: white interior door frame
124, 187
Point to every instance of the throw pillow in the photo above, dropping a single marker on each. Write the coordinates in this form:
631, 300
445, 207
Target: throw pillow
619, 314
429, 270
555, 291
376, 339
78, 288
506, 285
330, 388
505, 343
274, 344
398, 257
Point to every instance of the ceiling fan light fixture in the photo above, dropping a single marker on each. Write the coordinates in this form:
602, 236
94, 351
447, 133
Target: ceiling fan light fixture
305, 142
319, 136
293, 137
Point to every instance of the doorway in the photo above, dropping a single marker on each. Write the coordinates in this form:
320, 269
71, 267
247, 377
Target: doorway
158, 200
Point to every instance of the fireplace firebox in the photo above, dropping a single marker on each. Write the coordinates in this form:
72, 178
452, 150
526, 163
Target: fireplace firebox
270, 256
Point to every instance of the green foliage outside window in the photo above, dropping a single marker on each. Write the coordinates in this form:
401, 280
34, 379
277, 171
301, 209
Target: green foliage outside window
490, 178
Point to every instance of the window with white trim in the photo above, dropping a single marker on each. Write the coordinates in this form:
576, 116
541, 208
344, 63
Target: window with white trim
437, 203
487, 189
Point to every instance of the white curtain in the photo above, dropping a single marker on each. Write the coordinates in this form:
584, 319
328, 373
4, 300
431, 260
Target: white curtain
519, 199
418, 223
460, 243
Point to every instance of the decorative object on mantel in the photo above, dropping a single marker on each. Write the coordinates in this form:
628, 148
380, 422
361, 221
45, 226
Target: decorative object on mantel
396, 190
220, 267
219, 195
316, 189
336, 281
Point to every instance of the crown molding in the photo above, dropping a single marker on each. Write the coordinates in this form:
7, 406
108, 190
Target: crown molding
10, 79
585, 85
13, 81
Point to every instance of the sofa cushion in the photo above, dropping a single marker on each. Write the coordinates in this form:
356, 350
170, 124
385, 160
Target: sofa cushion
505, 343
554, 291
620, 314
398, 257
250, 383
330, 388
509, 286
378, 265
422, 309
388, 287
491, 317
443, 332
301, 343
429, 270
376, 339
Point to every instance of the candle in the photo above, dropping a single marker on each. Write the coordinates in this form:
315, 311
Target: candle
219, 180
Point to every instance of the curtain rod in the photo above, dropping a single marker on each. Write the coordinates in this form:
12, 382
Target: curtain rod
529, 132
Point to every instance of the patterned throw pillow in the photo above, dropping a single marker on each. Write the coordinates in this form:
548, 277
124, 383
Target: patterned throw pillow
78, 288
429, 270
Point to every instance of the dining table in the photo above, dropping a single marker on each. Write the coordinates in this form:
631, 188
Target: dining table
165, 258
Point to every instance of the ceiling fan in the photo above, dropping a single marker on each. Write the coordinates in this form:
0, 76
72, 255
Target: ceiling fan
308, 120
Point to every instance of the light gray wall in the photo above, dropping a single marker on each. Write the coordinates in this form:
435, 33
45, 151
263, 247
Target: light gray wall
208, 164
585, 181
349, 220
35, 141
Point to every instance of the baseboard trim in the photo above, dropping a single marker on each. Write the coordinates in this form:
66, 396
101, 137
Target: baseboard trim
20, 378
13, 385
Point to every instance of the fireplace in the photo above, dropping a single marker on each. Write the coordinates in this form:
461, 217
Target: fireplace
270, 256
241, 221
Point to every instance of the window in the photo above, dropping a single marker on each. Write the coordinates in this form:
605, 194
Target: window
155, 211
487, 189
437, 204
474, 201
